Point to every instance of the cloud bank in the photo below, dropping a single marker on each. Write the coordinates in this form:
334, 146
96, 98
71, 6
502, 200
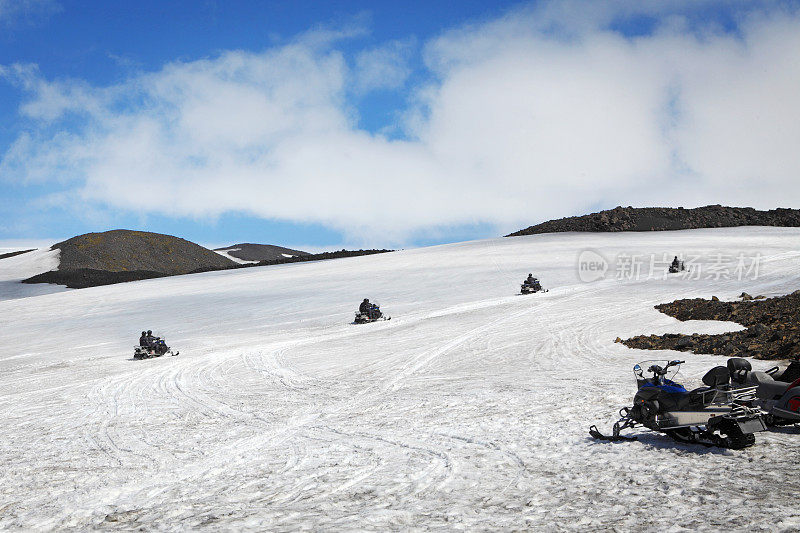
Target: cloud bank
545, 112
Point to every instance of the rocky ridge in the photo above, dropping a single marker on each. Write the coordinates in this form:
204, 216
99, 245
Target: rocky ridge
666, 218
259, 252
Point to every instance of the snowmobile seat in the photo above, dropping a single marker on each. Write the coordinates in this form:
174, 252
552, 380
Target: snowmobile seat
717, 377
768, 388
738, 369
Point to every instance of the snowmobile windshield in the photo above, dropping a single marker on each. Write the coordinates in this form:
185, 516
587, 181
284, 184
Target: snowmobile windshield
657, 372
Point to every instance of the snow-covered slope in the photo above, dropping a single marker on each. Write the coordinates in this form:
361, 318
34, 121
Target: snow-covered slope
468, 410
15, 269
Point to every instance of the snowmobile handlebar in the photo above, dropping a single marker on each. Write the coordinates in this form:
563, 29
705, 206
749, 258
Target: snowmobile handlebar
657, 370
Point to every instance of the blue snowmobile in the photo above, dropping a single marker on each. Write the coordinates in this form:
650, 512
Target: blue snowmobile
714, 415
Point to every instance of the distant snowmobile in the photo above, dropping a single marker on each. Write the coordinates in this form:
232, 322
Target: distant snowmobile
153, 347
715, 415
531, 285
676, 266
368, 312
777, 392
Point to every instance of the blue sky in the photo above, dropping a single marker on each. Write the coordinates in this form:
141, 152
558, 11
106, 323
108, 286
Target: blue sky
317, 124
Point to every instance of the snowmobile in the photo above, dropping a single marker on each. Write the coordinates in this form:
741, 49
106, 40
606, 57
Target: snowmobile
714, 415
674, 268
373, 315
157, 348
777, 392
530, 288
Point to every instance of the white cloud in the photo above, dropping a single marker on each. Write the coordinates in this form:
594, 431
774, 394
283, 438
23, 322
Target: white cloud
519, 124
384, 67
26, 10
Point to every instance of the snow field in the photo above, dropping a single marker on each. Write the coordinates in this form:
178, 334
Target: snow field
468, 410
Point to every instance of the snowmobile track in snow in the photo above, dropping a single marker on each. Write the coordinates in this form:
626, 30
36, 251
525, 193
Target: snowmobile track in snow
468, 410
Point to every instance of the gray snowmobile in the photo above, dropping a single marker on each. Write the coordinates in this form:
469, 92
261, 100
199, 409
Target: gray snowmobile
714, 415
777, 392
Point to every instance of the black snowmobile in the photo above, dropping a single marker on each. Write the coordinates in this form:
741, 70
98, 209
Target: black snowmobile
777, 392
371, 314
530, 287
676, 266
155, 348
714, 415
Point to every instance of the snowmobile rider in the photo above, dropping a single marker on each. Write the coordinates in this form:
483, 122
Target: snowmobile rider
151, 339
371, 310
531, 281
143, 340
675, 263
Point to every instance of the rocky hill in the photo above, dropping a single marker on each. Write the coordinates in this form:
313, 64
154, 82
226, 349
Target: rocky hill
125, 250
773, 327
667, 218
124, 255
259, 252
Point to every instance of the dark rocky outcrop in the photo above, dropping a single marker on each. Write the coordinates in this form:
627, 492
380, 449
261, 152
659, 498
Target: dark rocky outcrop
18, 252
259, 252
129, 251
666, 218
82, 278
773, 327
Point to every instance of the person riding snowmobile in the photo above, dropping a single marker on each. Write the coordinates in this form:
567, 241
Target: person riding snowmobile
151, 346
676, 266
151, 339
533, 283
369, 309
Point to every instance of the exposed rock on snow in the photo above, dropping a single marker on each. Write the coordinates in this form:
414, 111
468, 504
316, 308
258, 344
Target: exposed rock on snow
773, 327
82, 278
15, 253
